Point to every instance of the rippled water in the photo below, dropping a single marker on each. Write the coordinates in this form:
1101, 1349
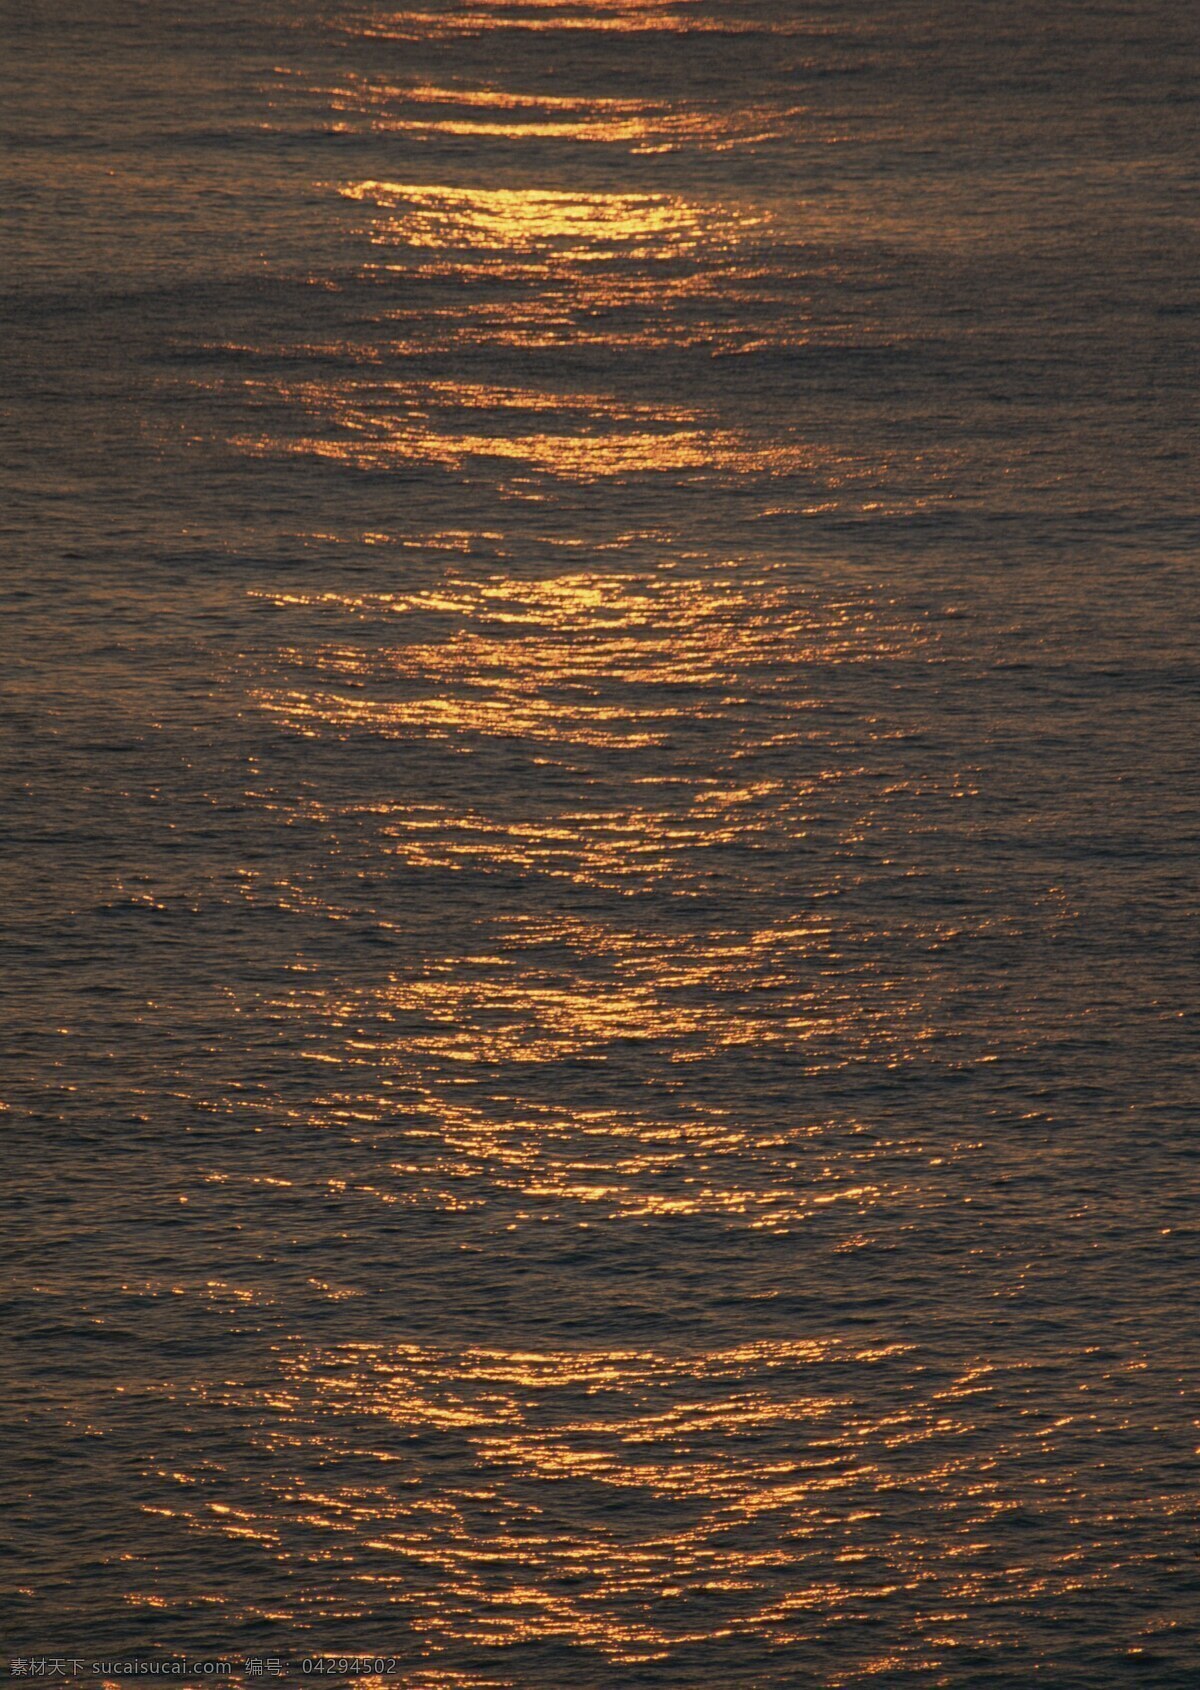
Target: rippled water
603, 835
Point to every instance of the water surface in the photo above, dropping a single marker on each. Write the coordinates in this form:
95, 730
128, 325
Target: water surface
602, 839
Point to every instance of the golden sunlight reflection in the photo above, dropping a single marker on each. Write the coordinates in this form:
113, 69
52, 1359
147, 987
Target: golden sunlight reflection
427, 110
485, 1562
639, 1500
373, 425
545, 264
572, 666
623, 17
469, 1047
588, 227
589, 659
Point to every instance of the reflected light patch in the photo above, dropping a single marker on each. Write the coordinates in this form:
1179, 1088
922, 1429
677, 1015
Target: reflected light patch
644, 126
593, 226
624, 17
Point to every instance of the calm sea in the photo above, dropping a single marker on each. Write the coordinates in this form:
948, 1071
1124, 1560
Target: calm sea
602, 836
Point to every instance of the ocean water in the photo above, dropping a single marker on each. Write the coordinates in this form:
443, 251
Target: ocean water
601, 840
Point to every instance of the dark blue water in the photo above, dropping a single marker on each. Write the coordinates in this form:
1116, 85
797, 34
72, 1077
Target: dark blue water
601, 840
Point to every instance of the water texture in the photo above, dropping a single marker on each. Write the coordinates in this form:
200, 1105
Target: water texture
601, 839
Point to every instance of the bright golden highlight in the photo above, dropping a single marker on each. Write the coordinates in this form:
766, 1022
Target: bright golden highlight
619, 17
645, 127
